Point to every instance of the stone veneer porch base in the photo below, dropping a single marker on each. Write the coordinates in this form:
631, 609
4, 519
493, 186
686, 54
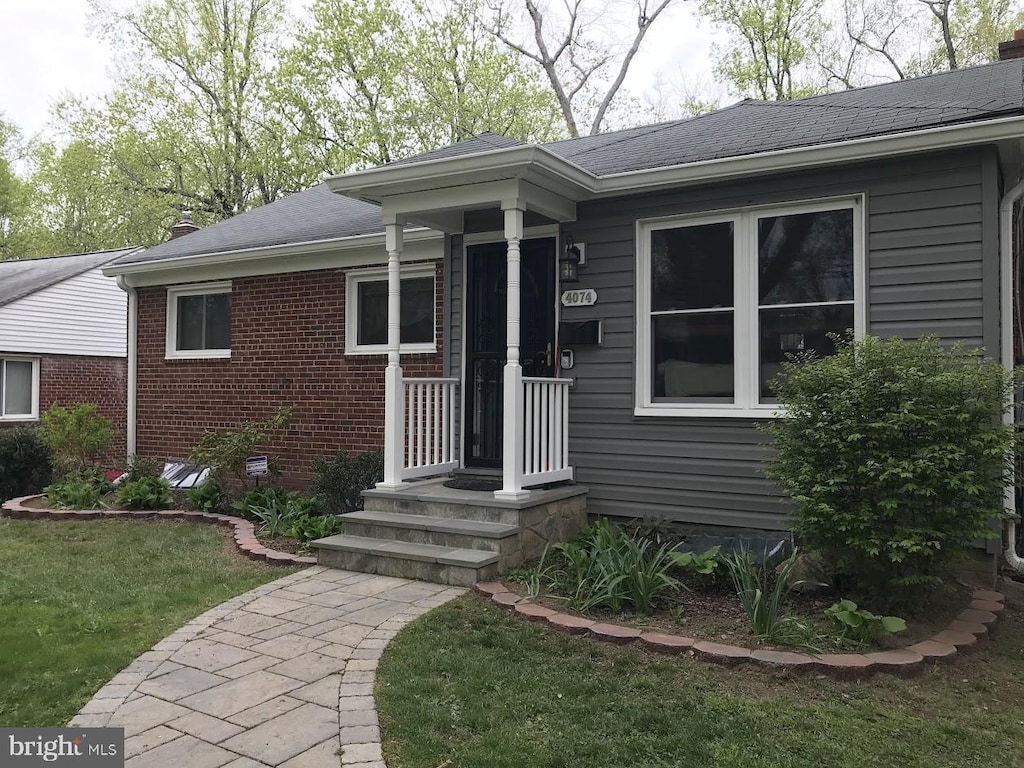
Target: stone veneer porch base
244, 531
964, 633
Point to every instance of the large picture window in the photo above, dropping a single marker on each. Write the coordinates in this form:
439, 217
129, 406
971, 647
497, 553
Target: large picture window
723, 299
199, 321
19, 388
366, 316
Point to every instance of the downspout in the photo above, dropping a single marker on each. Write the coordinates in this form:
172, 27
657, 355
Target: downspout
1006, 292
133, 360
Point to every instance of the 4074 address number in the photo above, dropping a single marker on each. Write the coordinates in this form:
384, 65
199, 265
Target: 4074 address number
582, 297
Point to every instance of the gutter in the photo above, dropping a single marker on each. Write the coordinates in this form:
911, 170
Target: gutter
133, 363
1006, 258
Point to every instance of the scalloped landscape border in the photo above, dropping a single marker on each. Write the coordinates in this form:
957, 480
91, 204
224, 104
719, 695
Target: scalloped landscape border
244, 531
965, 633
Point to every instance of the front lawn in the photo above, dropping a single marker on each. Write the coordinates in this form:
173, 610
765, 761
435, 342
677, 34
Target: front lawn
470, 685
80, 600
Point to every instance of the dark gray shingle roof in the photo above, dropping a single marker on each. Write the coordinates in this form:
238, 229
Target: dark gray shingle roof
749, 127
313, 214
22, 277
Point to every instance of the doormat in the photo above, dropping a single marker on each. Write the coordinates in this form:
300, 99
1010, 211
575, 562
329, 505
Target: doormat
473, 484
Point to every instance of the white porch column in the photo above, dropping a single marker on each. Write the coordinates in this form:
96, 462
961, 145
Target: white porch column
394, 399
512, 393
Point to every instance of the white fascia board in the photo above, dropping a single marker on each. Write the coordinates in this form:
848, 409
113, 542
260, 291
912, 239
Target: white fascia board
909, 142
559, 175
357, 250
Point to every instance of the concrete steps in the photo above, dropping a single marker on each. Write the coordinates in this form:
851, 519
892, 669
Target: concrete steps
427, 562
451, 536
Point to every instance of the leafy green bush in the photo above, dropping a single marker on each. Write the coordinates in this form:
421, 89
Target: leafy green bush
308, 528
25, 462
208, 497
225, 452
139, 468
340, 481
267, 496
73, 493
855, 626
705, 563
895, 456
761, 595
147, 493
77, 436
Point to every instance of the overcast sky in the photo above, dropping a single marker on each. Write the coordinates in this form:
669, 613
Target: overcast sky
49, 50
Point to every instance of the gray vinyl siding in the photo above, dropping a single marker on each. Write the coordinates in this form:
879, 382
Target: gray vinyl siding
932, 258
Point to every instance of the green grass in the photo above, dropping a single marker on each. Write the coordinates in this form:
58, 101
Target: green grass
80, 600
470, 685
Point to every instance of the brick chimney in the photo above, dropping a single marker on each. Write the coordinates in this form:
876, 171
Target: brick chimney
184, 227
1013, 49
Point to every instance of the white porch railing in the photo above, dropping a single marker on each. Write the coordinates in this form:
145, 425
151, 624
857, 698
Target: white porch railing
545, 430
429, 427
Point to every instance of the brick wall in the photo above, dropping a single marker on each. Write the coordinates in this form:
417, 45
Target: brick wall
287, 349
71, 379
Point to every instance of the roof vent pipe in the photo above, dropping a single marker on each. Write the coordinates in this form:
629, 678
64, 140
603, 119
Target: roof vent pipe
1012, 49
184, 227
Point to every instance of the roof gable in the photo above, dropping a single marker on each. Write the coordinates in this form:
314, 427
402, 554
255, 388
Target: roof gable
22, 277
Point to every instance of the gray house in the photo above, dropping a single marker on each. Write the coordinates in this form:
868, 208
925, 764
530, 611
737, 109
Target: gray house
707, 250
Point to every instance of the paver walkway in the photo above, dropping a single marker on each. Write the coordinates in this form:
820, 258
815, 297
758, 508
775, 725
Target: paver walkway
280, 676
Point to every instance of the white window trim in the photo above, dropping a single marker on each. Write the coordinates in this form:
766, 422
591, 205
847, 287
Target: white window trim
34, 415
745, 312
173, 294
352, 280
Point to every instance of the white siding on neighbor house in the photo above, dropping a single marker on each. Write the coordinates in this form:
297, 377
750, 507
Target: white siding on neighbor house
84, 315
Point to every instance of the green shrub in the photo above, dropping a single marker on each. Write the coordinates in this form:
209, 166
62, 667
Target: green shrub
340, 481
139, 468
77, 436
267, 496
855, 626
895, 456
147, 493
73, 493
308, 528
25, 462
225, 452
761, 594
208, 497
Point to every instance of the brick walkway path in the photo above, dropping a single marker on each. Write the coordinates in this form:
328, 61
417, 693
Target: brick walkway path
280, 676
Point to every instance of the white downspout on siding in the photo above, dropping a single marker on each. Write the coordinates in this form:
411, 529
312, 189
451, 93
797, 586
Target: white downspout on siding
1006, 324
133, 360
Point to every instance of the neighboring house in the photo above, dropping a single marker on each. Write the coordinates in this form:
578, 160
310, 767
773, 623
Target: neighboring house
713, 247
63, 339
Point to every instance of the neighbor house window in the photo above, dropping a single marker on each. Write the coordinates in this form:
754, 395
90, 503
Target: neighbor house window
199, 321
366, 316
19, 388
722, 300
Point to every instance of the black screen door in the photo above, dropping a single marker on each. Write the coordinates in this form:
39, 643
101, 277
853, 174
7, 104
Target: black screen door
485, 337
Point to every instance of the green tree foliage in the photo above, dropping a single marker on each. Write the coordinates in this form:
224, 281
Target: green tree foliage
895, 456
370, 82
771, 46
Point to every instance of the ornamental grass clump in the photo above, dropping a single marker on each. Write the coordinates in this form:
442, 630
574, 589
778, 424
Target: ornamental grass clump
895, 456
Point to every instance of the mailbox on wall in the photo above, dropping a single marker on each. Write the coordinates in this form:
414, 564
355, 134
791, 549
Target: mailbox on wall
579, 332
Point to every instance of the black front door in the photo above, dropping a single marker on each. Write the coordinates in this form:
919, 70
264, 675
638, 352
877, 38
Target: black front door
486, 341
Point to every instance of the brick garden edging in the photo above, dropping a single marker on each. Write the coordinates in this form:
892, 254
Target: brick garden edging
964, 633
244, 531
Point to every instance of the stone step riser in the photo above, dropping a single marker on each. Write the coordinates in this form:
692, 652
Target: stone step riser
502, 546
444, 511
389, 565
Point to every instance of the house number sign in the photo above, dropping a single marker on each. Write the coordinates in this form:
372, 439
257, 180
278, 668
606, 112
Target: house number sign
582, 297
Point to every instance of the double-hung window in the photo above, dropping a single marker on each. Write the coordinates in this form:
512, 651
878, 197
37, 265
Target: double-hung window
199, 321
19, 388
723, 299
366, 313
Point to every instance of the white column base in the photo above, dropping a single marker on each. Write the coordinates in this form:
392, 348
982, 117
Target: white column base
511, 495
382, 486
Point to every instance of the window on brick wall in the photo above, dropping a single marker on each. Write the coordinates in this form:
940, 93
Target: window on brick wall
199, 321
366, 315
19, 388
